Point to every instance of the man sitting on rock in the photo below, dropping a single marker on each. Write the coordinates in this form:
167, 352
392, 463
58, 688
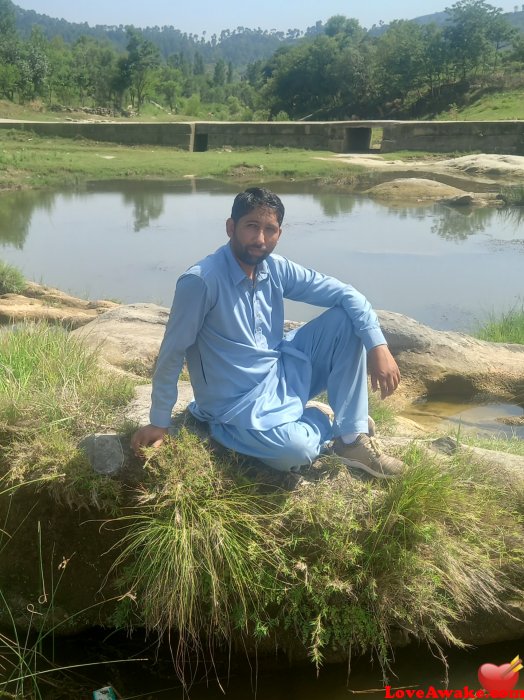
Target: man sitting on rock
251, 383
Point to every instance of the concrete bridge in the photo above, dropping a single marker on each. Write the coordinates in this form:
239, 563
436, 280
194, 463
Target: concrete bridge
505, 137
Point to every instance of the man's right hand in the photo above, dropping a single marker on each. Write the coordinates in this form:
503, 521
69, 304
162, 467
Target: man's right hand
148, 436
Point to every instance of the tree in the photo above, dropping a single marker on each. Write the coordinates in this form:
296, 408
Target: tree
302, 80
219, 74
142, 61
474, 32
400, 59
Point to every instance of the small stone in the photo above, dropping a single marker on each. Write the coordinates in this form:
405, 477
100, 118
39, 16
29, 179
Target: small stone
104, 452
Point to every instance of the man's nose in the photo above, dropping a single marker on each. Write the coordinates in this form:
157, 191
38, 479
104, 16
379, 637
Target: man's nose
259, 236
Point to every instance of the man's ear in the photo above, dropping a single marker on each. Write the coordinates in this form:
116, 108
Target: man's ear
230, 227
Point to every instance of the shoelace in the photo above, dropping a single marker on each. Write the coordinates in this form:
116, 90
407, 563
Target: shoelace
373, 443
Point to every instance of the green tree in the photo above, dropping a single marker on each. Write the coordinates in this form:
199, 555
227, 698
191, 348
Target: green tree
474, 32
220, 73
400, 63
301, 80
142, 61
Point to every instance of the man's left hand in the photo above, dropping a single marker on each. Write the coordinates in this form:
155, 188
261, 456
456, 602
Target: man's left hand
383, 370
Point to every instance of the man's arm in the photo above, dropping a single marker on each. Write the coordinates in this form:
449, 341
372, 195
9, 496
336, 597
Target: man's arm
302, 284
312, 287
190, 305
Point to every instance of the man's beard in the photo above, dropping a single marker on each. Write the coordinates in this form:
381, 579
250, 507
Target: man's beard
249, 258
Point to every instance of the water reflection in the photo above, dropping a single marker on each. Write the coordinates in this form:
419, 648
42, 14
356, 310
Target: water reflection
147, 206
456, 224
16, 210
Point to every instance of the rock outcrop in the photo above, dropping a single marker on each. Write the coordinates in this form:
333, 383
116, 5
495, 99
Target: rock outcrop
128, 336
421, 190
40, 303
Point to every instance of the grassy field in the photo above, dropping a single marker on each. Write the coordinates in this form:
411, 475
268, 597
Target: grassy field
28, 160
498, 105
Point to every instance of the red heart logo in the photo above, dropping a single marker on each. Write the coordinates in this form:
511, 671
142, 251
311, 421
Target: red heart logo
497, 679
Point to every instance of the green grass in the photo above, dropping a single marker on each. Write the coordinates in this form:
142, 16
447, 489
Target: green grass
333, 566
12, 280
499, 105
514, 196
507, 327
52, 394
27, 160
202, 553
511, 445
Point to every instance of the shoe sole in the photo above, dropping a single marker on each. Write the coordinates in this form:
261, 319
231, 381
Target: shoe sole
365, 467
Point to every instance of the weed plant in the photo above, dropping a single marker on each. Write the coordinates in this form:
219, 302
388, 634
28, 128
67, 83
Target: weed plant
52, 393
507, 327
12, 280
337, 565
514, 196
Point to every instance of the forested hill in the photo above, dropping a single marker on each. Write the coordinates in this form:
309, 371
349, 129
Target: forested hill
239, 46
515, 19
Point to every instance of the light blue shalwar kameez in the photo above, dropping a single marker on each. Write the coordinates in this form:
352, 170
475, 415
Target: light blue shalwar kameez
250, 382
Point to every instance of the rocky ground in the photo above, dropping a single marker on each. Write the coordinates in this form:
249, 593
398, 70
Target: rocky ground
472, 180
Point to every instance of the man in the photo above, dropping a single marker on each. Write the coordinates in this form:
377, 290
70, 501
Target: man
251, 383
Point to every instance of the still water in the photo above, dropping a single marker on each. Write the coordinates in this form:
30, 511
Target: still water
130, 241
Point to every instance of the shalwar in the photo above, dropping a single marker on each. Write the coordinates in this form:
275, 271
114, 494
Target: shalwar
250, 382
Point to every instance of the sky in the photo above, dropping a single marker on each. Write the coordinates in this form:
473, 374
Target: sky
211, 16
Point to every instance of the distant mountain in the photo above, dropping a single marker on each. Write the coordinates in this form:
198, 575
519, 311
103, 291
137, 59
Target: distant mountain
514, 18
240, 46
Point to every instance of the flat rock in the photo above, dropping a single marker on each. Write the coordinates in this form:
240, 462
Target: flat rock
40, 303
445, 363
413, 188
127, 335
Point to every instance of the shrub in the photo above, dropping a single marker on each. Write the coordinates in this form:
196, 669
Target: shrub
12, 280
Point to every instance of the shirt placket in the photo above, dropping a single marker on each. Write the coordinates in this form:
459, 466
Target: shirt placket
257, 314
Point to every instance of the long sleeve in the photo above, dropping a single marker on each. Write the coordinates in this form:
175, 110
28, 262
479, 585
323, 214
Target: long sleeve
190, 305
302, 284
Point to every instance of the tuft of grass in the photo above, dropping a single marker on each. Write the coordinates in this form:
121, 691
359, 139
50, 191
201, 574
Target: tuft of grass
335, 566
507, 327
52, 393
201, 554
12, 281
513, 196
381, 412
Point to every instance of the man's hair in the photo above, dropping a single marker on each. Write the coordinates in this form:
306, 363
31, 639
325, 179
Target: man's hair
253, 198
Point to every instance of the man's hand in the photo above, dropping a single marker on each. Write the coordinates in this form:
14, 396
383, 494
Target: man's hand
383, 370
149, 435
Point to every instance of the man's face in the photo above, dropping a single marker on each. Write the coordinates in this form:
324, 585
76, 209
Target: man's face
254, 236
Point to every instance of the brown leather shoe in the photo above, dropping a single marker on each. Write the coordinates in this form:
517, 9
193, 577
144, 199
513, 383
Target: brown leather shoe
366, 454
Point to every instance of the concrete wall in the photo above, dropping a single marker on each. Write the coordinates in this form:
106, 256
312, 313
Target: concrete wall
339, 137
317, 136
505, 137
177, 134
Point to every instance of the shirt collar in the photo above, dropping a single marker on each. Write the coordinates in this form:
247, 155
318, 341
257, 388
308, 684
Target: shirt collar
237, 273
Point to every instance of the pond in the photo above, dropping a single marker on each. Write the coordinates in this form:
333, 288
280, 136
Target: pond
129, 241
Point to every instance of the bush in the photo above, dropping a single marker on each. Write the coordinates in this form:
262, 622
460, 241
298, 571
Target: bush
506, 328
12, 280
